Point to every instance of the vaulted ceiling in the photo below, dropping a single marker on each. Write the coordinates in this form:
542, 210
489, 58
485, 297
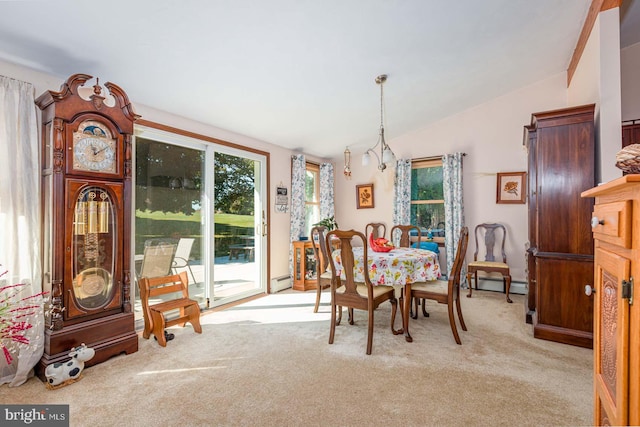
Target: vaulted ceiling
300, 73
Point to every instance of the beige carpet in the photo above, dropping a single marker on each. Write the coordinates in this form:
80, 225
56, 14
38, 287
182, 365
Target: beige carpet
268, 362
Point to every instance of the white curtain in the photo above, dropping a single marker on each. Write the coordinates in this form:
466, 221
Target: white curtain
298, 173
20, 219
453, 206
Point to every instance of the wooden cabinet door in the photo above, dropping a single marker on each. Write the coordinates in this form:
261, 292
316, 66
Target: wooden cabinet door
611, 339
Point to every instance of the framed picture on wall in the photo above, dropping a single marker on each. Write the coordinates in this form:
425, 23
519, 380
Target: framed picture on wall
364, 196
511, 187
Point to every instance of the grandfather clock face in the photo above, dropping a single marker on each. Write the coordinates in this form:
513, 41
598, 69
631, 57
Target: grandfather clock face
94, 149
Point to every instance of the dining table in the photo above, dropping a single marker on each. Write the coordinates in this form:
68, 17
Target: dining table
399, 267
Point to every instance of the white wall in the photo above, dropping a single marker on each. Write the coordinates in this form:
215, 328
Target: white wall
597, 80
630, 82
491, 134
280, 158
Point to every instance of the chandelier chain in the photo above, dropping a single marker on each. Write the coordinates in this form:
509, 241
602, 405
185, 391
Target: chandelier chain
381, 102
386, 155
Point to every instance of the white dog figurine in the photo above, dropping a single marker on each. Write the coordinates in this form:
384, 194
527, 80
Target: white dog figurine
68, 372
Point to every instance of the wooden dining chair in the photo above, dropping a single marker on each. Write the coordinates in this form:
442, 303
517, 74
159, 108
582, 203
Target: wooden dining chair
379, 229
405, 234
486, 236
449, 292
348, 293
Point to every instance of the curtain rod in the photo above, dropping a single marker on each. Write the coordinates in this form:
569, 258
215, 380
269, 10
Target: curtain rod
14, 79
313, 162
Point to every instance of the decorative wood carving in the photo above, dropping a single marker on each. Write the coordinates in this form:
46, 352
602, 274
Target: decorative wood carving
616, 351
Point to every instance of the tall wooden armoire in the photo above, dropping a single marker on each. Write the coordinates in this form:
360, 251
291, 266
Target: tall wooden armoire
561, 163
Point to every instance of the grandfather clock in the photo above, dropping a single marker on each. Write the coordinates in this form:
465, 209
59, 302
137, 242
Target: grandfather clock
86, 197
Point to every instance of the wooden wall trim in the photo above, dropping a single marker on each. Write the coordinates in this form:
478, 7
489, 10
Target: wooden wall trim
178, 131
267, 204
596, 7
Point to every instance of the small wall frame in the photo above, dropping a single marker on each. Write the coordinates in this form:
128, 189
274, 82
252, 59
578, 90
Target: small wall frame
364, 196
511, 187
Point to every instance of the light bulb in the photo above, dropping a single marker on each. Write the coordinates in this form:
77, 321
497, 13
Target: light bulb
366, 157
387, 156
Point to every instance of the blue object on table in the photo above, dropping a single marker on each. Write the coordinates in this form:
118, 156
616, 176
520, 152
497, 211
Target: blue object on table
430, 246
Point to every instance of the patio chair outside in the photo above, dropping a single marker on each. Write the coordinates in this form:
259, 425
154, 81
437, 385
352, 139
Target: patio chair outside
181, 258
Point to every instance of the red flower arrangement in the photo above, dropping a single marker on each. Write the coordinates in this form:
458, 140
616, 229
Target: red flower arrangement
14, 316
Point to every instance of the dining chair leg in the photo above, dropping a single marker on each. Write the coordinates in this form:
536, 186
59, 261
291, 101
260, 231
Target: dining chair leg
469, 282
350, 313
425, 313
318, 295
394, 310
370, 332
332, 330
459, 310
339, 315
452, 322
414, 313
507, 286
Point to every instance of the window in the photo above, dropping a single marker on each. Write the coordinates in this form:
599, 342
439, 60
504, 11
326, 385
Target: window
312, 197
427, 196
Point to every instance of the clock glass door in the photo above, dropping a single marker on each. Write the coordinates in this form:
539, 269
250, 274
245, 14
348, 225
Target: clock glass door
94, 265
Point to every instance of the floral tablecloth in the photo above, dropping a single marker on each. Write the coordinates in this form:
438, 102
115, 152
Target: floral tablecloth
398, 267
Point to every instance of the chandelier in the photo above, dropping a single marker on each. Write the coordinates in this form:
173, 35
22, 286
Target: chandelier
386, 155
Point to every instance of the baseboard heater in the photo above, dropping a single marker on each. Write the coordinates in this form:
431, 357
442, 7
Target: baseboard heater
280, 283
495, 284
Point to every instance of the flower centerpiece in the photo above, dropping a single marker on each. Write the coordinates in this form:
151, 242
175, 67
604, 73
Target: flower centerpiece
15, 315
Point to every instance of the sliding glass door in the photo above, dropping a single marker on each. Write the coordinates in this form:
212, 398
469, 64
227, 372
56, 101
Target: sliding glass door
239, 224
204, 202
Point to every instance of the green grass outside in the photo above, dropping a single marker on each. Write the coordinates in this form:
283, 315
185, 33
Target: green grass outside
151, 225
231, 220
